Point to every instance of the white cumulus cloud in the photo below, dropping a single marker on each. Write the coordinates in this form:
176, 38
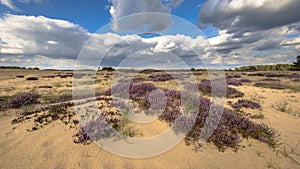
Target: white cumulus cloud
31, 35
142, 23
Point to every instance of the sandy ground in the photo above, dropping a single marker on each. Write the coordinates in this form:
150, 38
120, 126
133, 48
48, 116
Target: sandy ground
53, 147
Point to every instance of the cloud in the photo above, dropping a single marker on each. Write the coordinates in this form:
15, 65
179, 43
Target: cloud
30, 35
255, 30
27, 39
190, 51
269, 45
243, 22
164, 46
9, 4
293, 42
51, 43
141, 23
42, 62
35, 1
241, 16
271, 39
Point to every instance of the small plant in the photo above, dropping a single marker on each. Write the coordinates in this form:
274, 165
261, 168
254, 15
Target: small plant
26, 110
256, 98
81, 137
125, 128
284, 107
289, 151
260, 115
104, 125
259, 153
271, 164
4, 102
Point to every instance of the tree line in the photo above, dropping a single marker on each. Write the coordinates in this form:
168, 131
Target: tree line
279, 67
17, 67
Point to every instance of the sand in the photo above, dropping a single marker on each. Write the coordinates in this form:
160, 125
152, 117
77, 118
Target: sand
53, 147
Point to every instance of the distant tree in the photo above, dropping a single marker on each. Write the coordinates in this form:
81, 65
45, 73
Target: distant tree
108, 69
296, 65
11, 67
33, 68
193, 69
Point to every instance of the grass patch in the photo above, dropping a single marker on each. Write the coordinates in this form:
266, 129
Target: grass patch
270, 85
286, 108
260, 115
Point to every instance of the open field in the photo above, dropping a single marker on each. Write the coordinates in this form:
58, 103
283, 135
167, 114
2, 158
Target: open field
41, 126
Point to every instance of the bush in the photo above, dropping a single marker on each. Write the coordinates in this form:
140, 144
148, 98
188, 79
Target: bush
50, 76
24, 99
98, 128
245, 80
231, 126
293, 76
245, 103
270, 80
234, 82
206, 88
149, 71
234, 93
235, 76
133, 91
230, 130
45, 87
270, 85
161, 77
256, 74
32, 78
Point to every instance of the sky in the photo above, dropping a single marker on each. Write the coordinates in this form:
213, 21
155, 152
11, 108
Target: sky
62, 34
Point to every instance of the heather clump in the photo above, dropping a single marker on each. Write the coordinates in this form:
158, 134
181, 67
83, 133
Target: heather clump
24, 99
246, 104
